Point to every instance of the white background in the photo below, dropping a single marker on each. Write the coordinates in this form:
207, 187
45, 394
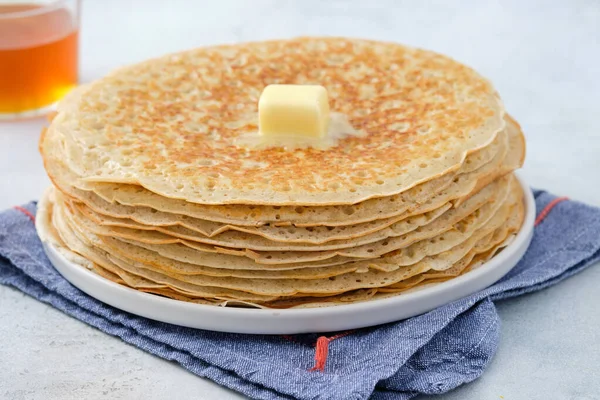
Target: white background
543, 57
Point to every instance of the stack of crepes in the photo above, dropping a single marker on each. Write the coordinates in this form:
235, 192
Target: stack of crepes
152, 190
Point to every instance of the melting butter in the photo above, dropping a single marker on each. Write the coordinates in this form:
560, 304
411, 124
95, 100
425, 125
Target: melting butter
339, 127
293, 110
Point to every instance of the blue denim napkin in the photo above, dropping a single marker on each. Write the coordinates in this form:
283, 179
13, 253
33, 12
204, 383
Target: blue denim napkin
431, 353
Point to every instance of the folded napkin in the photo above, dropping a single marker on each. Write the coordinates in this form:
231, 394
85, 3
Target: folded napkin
430, 353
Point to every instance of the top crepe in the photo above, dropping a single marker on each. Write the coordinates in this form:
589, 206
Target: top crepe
171, 124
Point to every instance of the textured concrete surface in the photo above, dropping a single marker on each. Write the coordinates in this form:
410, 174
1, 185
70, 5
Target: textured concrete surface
542, 57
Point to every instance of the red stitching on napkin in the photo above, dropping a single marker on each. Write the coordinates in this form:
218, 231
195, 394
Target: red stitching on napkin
322, 350
24, 211
544, 213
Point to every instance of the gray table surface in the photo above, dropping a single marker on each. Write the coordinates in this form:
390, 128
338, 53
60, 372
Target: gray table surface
543, 57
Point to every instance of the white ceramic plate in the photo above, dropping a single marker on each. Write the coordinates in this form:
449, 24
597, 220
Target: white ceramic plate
328, 319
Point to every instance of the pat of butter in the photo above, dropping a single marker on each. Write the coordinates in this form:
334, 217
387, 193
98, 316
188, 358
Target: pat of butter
293, 110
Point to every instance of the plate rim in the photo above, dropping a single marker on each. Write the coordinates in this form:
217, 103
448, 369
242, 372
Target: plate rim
319, 319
